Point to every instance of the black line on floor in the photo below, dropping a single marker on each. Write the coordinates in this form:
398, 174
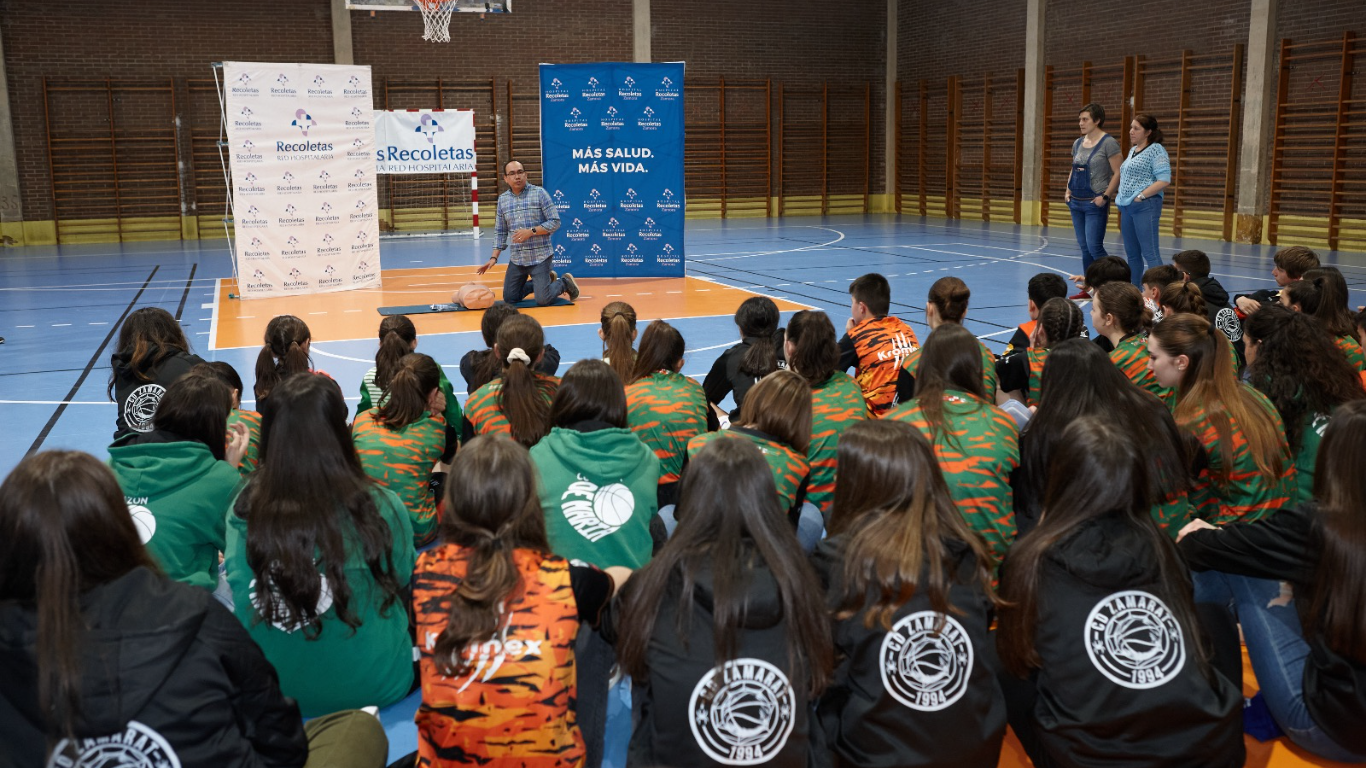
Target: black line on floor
57, 414
181, 309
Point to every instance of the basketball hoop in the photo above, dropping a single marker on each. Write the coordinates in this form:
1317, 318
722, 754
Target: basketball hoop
436, 17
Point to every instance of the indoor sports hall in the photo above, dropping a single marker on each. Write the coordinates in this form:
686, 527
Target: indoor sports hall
804, 144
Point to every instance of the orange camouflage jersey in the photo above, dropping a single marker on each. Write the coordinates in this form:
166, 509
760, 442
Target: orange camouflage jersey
836, 405
977, 450
1173, 514
252, 419
1352, 349
1036, 359
1238, 494
1131, 355
880, 344
791, 471
515, 707
484, 408
666, 410
401, 460
911, 363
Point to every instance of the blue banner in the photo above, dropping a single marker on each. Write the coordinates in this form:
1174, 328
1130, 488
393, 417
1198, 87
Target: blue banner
612, 150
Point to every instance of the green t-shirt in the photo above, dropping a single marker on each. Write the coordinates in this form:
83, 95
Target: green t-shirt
340, 668
976, 463
1238, 493
370, 395
791, 470
1311, 434
666, 410
401, 460
252, 457
836, 405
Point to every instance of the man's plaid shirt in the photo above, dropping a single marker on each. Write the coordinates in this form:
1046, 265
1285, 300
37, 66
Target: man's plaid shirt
532, 208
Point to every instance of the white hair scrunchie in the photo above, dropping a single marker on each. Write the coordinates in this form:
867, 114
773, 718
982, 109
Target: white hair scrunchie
518, 354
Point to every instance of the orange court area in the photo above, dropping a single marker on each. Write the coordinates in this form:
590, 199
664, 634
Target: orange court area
346, 315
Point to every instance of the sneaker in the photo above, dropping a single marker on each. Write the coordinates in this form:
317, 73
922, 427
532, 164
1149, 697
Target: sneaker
1083, 296
571, 287
554, 276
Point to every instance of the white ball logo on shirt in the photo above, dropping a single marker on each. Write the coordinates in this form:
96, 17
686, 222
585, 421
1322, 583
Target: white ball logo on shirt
136, 746
926, 666
743, 713
595, 511
145, 521
1227, 321
141, 406
291, 623
1133, 638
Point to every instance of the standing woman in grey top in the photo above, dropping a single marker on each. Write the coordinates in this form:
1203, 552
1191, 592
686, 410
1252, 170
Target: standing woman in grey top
1092, 182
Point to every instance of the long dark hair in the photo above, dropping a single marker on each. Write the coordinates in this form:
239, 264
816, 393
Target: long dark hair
308, 490
1338, 595
405, 399
491, 510
1323, 294
1079, 379
950, 359
757, 319
589, 391
64, 528
730, 520
1298, 367
1060, 320
1149, 123
1098, 469
950, 295
397, 334
283, 353
618, 322
196, 407
149, 335
1210, 389
780, 405
489, 367
815, 350
661, 349
892, 503
522, 398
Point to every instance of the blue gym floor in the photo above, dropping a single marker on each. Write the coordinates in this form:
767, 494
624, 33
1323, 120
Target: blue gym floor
61, 305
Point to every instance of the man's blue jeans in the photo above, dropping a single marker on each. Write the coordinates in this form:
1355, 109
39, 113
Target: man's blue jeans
515, 283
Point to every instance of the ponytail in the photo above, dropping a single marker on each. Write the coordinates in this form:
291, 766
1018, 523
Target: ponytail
618, 331
283, 354
815, 350
661, 349
405, 399
757, 319
522, 398
1124, 301
1331, 309
396, 337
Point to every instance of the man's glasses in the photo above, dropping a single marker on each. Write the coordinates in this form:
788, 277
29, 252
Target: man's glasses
515, 173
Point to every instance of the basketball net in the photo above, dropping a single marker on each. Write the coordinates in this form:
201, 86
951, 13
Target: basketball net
436, 17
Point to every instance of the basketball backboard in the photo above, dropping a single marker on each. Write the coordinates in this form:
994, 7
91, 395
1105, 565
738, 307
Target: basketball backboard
461, 6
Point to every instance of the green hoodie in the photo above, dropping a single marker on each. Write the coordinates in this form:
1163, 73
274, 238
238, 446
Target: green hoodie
179, 496
598, 490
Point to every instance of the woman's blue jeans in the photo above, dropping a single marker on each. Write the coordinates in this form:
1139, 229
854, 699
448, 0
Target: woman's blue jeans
1278, 651
1138, 227
1089, 222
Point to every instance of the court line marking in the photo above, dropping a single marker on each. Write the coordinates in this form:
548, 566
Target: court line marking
812, 246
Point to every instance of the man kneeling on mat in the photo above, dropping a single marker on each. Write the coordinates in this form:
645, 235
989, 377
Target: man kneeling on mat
527, 213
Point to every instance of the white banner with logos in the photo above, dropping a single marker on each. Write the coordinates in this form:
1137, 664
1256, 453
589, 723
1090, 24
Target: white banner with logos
302, 142
424, 141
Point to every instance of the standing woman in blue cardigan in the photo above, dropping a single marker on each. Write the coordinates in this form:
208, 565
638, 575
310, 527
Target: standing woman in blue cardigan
1142, 177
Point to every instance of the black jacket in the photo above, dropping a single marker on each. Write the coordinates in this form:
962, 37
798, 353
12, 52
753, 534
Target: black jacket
725, 377
1120, 684
1286, 546
756, 711
910, 697
137, 397
164, 667
1221, 313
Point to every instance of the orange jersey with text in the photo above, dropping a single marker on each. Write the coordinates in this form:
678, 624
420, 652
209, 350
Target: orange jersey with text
515, 704
881, 343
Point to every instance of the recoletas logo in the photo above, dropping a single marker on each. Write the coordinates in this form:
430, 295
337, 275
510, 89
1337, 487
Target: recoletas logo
303, 121
429, 127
